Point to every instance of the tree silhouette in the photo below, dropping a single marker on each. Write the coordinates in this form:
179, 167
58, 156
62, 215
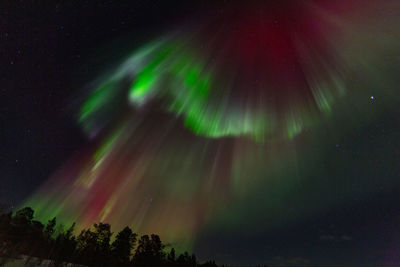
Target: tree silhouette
20, 230
6, 246
50, 228
149, 251
65, 246
186, 260
20, 234
94, 246
171, 257
121, 248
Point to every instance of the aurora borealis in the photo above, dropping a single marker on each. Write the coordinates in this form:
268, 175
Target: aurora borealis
224, 120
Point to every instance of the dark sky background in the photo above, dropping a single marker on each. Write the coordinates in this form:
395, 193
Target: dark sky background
47, 50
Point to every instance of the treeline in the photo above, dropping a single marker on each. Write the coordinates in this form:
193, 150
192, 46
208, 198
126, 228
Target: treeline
20, 234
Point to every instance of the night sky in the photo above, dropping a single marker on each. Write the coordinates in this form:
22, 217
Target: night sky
324, 194
45, 52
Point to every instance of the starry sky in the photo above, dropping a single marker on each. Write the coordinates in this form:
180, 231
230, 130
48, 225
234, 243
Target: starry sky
324, 194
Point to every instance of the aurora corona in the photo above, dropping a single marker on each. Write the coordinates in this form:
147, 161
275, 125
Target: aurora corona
199, 117
252, 80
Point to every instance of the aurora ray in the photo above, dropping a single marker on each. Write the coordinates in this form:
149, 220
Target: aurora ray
202, 116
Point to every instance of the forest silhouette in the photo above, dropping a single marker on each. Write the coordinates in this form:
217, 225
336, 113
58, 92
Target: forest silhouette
20, 235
